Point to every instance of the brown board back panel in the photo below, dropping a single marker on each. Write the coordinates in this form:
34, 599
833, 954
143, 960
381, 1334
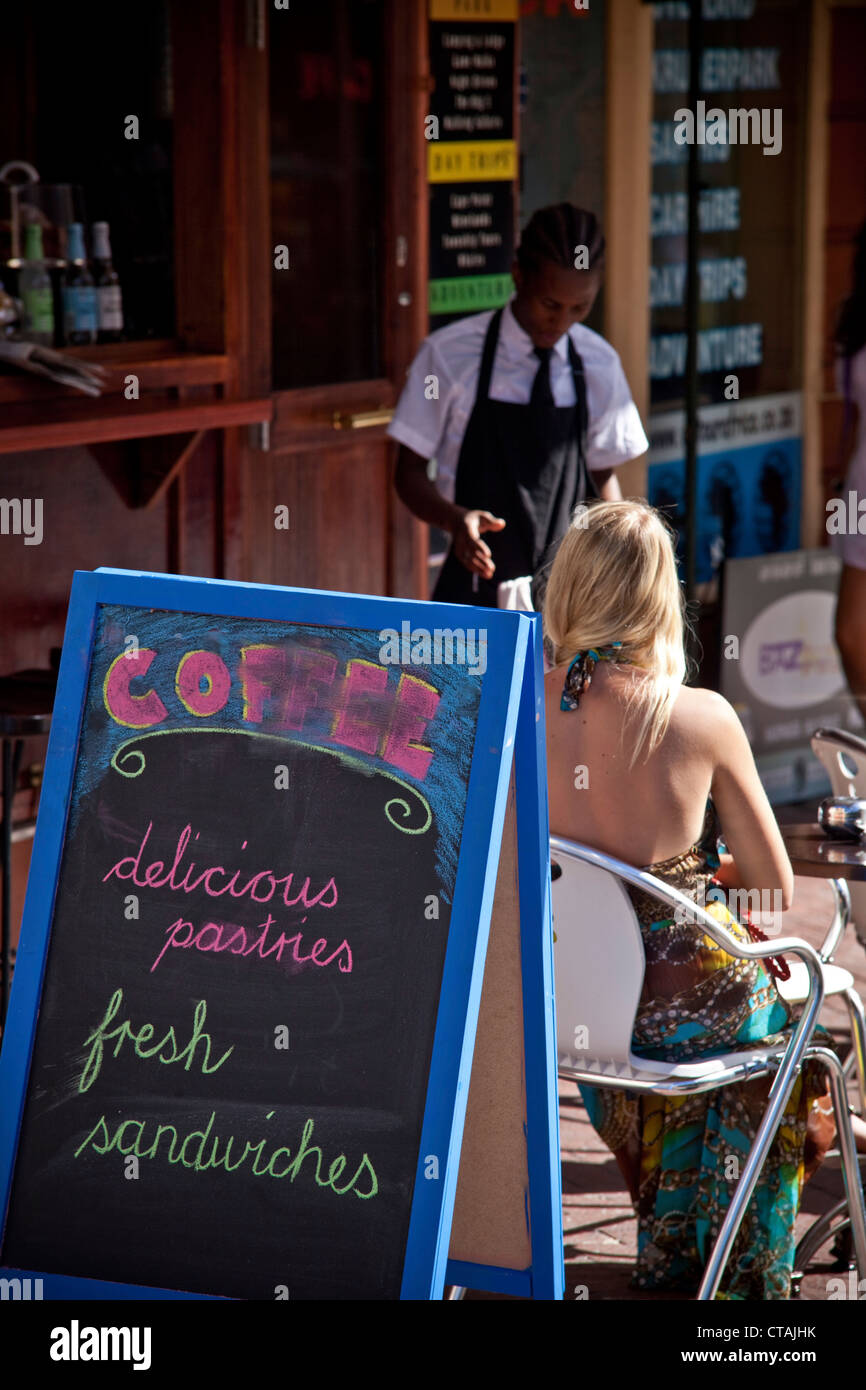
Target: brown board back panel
490, 1211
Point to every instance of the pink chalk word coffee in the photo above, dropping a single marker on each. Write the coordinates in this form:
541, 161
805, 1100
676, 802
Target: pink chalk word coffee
289, 689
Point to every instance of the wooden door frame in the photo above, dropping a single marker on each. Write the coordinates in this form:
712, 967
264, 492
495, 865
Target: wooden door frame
408, 105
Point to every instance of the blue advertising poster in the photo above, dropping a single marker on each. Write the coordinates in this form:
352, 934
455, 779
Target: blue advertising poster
749, 478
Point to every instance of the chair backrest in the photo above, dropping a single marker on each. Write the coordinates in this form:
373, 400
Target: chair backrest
598, 960
844, 758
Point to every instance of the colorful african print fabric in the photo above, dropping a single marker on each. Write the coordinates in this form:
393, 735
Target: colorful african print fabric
682, 1156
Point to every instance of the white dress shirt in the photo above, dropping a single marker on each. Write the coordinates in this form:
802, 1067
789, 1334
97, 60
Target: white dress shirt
437, 400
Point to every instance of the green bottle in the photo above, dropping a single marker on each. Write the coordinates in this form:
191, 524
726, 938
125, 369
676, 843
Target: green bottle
34, 290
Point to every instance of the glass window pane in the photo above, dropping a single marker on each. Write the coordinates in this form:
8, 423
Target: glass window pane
327, 189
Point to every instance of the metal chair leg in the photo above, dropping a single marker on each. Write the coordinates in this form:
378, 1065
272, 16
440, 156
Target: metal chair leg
848, 1150
817, 1235
766, 1132
854, 1199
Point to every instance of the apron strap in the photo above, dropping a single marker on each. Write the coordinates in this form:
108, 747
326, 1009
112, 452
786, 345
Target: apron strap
485, 371
579, 377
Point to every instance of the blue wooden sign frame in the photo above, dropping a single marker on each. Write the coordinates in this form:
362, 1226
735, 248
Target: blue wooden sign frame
510, 725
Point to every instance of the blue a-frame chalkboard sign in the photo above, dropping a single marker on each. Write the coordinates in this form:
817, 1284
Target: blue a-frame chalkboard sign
242, 1026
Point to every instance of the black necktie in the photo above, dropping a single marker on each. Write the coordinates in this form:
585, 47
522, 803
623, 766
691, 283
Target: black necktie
541, 400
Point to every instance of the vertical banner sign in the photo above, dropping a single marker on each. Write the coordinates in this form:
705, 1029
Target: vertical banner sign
748, 127
248, 999
471, 156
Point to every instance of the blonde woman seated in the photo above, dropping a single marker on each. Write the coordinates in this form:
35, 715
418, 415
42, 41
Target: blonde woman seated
669, 771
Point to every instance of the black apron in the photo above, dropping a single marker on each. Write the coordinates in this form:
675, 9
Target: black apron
533, 478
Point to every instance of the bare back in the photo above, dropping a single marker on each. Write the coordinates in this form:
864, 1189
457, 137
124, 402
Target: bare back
655, 810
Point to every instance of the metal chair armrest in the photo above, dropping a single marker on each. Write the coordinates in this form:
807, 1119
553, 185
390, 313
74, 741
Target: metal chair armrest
850, 743
841, 918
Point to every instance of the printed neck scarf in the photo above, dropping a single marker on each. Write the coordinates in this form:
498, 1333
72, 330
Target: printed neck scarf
578, 677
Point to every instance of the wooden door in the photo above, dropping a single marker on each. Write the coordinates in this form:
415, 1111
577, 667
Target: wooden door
340, 308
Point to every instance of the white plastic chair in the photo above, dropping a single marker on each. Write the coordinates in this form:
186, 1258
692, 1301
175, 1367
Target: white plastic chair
599, 963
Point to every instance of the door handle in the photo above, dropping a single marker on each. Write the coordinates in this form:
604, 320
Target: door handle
361, 419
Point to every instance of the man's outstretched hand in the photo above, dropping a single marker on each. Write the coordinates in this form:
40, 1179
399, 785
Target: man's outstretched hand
469, 548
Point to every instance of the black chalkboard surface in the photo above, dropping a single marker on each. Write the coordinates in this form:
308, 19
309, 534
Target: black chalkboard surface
258, 858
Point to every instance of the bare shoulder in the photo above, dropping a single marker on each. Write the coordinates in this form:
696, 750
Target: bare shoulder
700, 703
704, 719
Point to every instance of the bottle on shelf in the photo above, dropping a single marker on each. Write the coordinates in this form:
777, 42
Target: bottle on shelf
80, 313
107, 280
34, 290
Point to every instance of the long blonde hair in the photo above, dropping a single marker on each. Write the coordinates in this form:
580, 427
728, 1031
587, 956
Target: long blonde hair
614, 579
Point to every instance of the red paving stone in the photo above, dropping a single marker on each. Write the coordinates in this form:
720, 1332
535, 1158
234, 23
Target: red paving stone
599, 1228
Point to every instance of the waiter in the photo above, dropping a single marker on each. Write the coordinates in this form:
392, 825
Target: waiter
526, 412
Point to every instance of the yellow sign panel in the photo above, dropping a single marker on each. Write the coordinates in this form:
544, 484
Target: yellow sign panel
474, 9
475, 161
